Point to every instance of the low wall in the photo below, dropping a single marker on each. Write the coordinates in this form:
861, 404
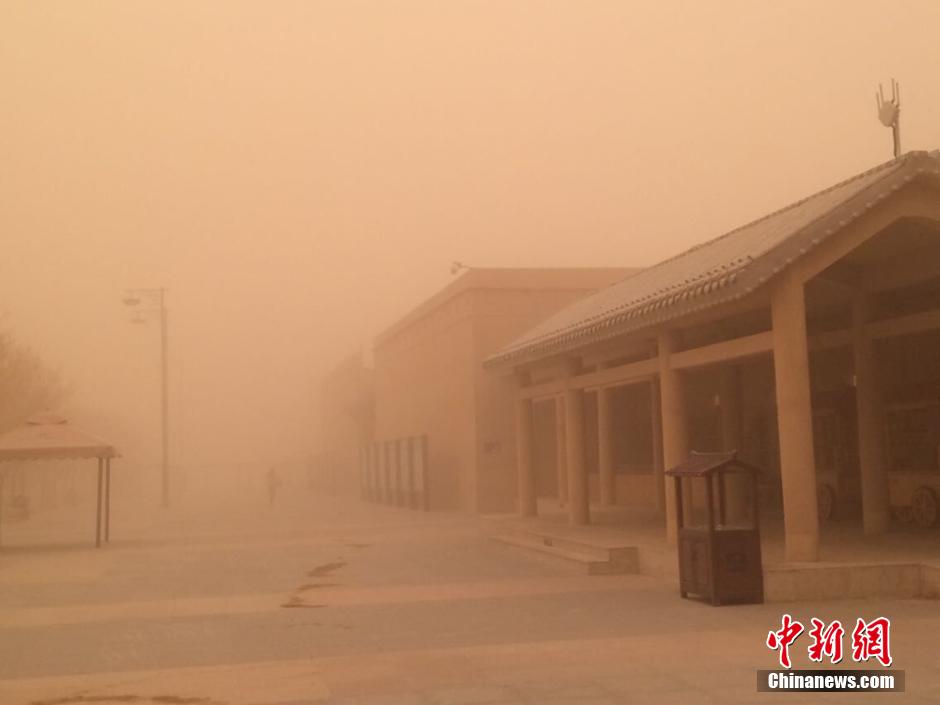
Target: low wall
836, 581
820, 581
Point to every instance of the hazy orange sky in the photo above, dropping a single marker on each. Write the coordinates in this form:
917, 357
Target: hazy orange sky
300, 174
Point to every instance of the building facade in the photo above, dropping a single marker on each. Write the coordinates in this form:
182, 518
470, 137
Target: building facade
429, 377
808, 341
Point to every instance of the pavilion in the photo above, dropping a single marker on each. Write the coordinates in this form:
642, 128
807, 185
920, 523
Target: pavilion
50, 437
808, 340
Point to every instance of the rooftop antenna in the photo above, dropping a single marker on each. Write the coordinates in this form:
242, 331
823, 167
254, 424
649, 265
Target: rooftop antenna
889, 112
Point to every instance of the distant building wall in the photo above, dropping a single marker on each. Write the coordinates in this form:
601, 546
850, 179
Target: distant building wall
429, 377
424, 385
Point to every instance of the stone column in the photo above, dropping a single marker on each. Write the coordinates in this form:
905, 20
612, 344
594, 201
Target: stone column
871, 451
605, 451
561, 450
736, 484
657, 446
794, 420
673, 423
578, 505
524, 469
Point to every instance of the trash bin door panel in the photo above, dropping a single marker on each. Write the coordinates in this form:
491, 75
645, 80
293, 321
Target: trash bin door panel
695, 562
739, 574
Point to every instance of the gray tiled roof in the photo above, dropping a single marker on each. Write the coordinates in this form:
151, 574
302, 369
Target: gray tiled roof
717, 271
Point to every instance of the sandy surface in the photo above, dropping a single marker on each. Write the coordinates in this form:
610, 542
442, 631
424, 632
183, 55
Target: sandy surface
320, 600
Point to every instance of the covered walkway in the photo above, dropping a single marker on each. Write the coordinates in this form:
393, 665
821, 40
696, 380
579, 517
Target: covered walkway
804, 340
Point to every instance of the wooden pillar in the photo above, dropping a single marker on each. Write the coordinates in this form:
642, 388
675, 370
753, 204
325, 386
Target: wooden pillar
657, 446
578, 507
524, 468
561, 450
605, 451
871, 451
794, 420
673, 422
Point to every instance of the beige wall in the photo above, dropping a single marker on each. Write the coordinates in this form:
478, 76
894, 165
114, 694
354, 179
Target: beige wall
429, 377
424, 385
501, 315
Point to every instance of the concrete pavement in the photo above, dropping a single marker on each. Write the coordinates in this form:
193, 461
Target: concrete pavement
321, 600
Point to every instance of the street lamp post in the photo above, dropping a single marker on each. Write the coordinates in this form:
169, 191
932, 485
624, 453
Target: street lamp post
156, 298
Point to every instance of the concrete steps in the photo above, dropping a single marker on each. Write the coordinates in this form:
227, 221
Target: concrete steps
596, 558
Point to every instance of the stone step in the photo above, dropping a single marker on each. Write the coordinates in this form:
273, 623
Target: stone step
599, 548
595, 560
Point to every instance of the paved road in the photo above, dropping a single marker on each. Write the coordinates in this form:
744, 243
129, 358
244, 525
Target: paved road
320, 600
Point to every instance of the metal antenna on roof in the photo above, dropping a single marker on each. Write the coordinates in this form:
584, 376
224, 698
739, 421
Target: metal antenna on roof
889, 112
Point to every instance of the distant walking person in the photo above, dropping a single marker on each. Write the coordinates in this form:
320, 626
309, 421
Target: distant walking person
273, 482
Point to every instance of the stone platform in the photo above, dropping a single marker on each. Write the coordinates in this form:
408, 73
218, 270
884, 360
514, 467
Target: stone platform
597, 554
901, 564
844, 581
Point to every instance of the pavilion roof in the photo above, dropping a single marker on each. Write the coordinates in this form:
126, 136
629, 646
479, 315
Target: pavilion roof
718, 271
51, 437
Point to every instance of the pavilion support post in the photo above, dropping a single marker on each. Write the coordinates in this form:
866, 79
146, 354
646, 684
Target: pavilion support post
794, 419
578, 501
673, 423
605, 455
98, 512
107, 500
561, 450
525, 472
871, 451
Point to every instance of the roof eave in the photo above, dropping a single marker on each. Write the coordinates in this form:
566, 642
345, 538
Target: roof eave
753, 275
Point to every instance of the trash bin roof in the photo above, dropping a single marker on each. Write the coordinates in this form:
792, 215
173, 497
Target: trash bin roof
701, 464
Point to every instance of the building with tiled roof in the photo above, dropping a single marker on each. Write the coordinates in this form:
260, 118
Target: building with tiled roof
801, 339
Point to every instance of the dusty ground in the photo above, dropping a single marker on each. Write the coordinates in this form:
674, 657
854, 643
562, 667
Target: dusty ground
319, 600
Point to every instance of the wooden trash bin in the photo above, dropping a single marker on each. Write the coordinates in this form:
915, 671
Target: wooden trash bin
718, 529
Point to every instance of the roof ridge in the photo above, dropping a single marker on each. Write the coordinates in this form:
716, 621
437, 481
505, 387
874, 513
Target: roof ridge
717, 275
904, 157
